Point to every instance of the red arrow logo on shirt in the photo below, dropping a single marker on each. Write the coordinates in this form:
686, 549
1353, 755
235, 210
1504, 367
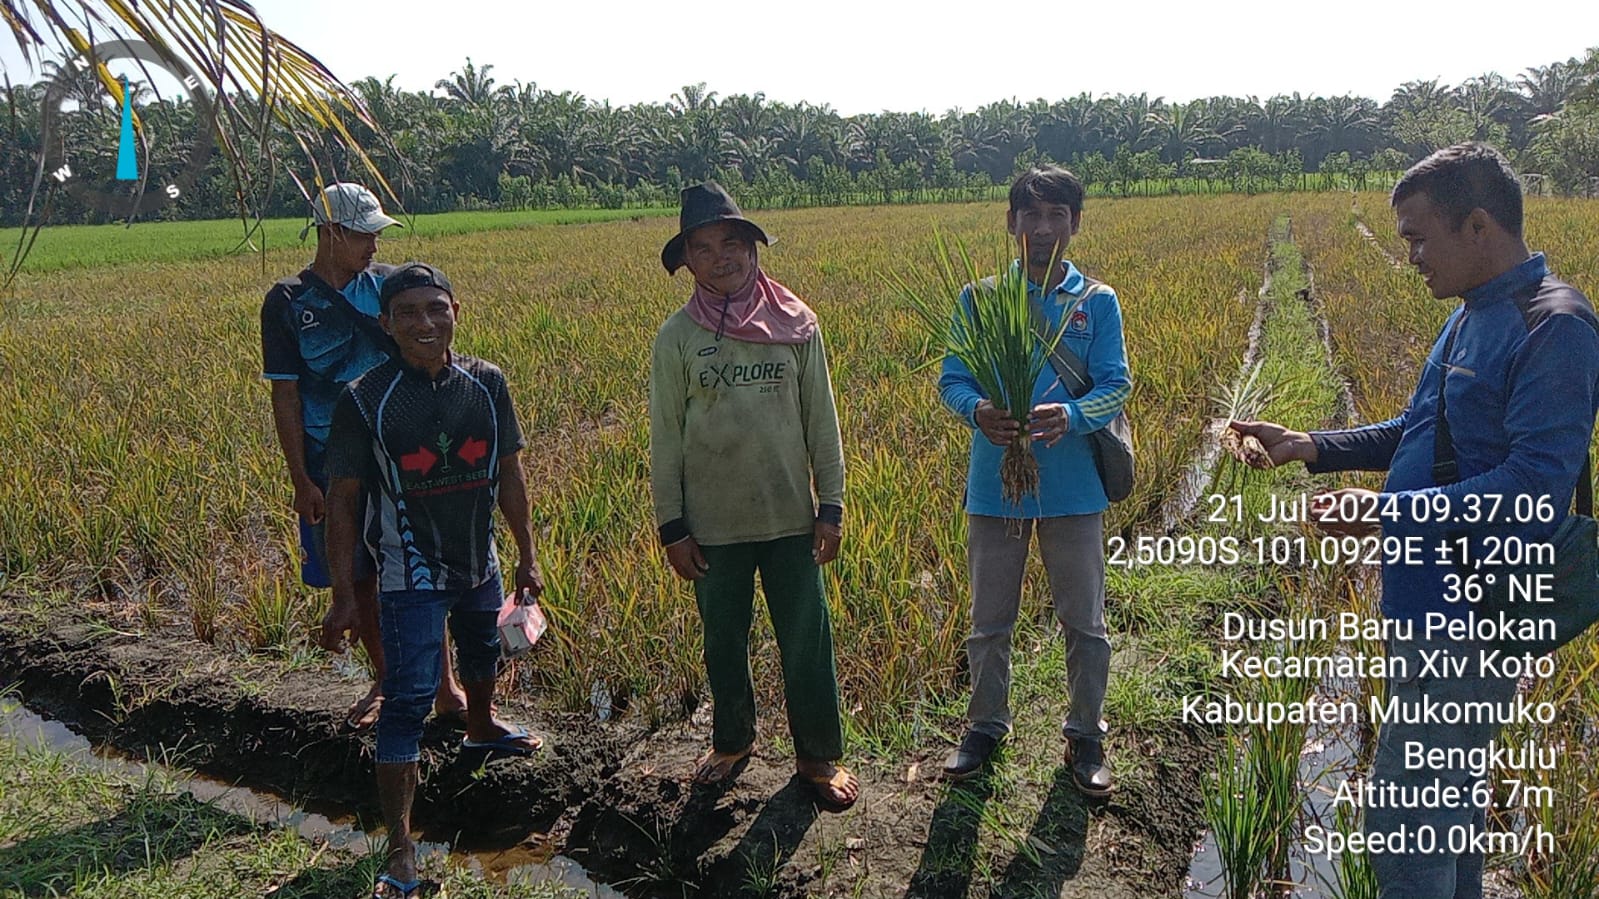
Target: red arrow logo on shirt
472, 451
421, 462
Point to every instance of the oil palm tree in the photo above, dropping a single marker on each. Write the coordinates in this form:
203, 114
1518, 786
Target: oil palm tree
266, 90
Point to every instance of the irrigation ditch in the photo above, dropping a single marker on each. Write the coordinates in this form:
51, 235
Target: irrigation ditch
613, 796
330, 829
1269, 782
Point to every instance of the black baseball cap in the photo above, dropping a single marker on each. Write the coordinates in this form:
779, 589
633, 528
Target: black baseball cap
408, 276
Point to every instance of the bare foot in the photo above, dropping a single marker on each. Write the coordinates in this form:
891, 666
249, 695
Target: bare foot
451, 712
836, 787
450, 705
715, 767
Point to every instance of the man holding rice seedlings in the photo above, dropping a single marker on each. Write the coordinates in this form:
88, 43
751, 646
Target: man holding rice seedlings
432, 437
742, 427
319, 330
1067, 505
1500, 419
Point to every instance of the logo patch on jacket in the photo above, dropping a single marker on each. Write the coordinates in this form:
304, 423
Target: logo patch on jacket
1078, 323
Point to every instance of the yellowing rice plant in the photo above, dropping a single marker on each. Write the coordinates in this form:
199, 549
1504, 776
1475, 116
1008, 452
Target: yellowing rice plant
143, 462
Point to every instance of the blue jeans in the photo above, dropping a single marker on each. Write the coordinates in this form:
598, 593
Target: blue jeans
1441, 873
314, 568
413, 636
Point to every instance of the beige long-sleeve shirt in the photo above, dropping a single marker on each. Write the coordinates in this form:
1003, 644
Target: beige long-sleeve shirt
744, 439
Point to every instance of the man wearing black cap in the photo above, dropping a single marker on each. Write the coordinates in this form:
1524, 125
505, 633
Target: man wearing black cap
432, 438
319, 330
742, 424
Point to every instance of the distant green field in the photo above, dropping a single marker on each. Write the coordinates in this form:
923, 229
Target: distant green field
89, 246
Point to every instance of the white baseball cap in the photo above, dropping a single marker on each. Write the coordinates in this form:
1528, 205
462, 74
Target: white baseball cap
351, 206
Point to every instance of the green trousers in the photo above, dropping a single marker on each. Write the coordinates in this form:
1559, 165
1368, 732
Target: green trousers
792, 583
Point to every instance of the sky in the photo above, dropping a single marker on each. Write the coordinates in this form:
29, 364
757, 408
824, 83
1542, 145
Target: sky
866, 56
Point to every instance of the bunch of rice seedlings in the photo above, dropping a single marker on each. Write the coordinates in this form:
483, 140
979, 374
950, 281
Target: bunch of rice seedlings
992, 333
1245, 401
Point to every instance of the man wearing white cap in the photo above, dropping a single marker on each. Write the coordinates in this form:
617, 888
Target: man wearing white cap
319, 331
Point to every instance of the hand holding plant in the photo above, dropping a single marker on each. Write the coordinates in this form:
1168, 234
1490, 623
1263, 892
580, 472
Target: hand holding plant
993, 331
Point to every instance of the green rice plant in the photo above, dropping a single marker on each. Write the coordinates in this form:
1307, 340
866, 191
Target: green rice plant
993, 332
1365, 601
1572, 868
1353, 877
1272, 755
271, 617
1235, 808
205, 602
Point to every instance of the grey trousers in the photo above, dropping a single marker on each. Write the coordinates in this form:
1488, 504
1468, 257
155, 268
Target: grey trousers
1073, 550
1444, 872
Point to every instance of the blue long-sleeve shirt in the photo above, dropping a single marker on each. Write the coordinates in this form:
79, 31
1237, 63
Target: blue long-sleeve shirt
1521, 393
1068, 483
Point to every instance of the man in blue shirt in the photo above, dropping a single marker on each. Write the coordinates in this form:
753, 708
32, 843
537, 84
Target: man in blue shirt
319, 331
1046, 207
1518, 363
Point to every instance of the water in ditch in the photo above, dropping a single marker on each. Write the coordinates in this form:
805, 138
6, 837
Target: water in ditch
336, 827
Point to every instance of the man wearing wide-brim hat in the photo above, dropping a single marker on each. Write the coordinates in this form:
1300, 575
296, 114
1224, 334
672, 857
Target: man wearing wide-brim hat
742, 423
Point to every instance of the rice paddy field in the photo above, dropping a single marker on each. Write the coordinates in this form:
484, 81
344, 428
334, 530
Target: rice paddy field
142, 475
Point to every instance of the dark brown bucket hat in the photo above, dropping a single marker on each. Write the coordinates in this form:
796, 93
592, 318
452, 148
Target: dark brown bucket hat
705, 204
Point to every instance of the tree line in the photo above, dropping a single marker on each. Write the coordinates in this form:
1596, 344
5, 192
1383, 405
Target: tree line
476, 143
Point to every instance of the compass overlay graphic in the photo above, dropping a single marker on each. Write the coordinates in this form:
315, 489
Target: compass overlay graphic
130, 150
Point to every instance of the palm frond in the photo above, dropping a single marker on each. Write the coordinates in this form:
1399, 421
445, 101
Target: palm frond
262, 86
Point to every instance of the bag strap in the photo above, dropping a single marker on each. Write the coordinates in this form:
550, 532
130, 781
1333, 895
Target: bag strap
1066, 363
1585, 488
1061, 359
1444, 467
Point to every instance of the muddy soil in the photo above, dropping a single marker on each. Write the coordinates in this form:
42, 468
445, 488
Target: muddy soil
616, 795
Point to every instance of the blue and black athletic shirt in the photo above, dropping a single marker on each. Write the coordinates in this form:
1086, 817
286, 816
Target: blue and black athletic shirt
428, 452
322, 337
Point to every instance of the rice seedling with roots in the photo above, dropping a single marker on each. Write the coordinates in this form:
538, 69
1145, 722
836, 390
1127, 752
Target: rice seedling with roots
995, 332
1244, 400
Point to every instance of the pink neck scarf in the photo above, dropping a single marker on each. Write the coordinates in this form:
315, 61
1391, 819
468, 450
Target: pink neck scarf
762, 311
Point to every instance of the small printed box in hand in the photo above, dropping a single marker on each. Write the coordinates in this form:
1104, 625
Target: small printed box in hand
521, 624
